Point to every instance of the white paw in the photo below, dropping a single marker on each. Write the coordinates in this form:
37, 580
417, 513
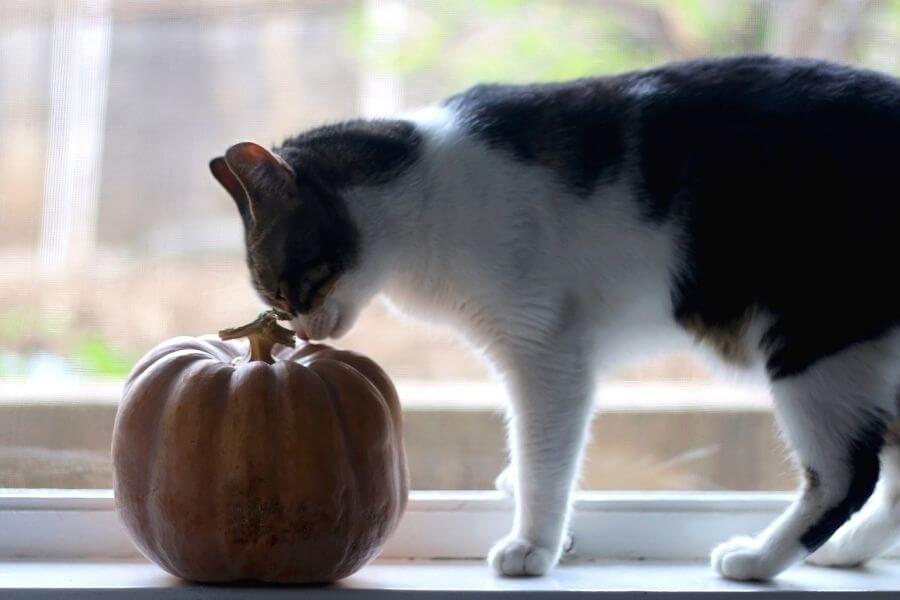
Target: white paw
516, 557
831, 554
742, 558
506, 481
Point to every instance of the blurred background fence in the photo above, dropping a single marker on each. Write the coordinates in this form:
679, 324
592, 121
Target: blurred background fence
113, 236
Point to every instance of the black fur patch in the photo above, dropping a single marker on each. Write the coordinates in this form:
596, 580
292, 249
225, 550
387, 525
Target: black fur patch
784, 175
360, 152
862, 459
320, 251
574, 129
728, 342
301, 254
314, 240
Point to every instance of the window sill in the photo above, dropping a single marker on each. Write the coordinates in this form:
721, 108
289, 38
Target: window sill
62, 525
450, 579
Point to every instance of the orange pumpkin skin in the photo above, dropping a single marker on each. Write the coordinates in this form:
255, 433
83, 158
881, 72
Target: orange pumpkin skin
289, 472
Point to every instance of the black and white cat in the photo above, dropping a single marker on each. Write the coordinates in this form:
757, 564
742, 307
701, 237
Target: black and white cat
748, 206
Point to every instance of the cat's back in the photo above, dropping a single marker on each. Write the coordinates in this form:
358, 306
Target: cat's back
717, 92
756, 110
767, 134
772, 107
755, 79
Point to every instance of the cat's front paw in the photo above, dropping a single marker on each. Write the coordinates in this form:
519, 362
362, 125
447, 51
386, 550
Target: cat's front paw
517, 557
742, 559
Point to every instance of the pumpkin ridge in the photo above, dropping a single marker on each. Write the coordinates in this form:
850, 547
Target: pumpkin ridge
385, 448
165, 359
337, 409
388, 394
149, 463
284, 400
205, 413
391, 405
313, 402
274, 420
363, 378
163, 351
177, 404
370, 370
243, 511
218, 349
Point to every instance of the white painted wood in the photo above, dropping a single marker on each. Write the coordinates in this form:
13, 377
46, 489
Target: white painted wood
67, 524
452, 580
79, 76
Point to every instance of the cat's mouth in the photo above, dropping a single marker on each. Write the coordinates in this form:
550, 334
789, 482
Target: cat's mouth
320, 325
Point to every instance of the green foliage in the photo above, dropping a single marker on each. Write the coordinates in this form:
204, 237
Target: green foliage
499, 7
503, 40
10, 368
533, 49
17, 326
25, 336
468, 41
95, 356
13, 327
417, 51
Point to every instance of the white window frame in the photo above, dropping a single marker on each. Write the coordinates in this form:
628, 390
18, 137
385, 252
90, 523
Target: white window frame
82, 524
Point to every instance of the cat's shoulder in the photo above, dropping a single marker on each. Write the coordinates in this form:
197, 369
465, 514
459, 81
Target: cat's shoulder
575, 129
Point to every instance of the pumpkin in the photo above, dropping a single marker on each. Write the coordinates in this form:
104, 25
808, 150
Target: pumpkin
284, 466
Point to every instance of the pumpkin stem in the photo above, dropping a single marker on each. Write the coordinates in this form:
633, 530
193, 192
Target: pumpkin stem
263, 334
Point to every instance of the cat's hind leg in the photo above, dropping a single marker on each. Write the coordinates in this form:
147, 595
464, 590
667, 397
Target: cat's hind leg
876, 528
834, 414
506, 481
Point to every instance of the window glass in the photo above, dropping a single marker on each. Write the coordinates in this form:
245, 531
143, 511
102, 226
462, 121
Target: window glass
113, 235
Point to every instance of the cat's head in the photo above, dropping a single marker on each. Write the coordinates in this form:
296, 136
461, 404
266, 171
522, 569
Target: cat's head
303, 250
308, 255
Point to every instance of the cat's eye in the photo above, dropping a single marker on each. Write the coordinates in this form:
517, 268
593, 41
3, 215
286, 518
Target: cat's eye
280, 299
319, 273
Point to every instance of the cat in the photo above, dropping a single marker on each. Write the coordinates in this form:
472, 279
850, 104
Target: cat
747, 207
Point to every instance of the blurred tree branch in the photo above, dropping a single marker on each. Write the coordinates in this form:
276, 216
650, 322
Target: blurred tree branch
839, 44
827, 29
666, 23
823, 28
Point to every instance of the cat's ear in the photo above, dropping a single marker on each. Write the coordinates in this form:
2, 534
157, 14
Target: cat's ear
266, 178
219, 169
